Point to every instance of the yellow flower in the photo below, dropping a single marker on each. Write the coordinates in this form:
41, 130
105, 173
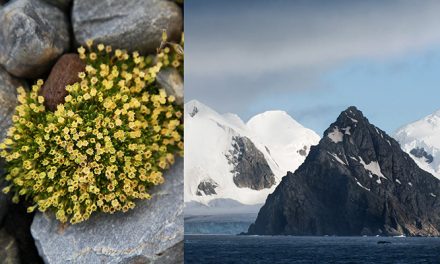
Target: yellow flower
89, 43
101, 47
94, 80
92, 56
81, 50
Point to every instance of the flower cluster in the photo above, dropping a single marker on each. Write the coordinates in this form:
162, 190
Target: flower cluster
105, 146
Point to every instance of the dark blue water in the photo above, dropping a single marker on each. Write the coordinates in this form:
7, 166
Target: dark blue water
288, 249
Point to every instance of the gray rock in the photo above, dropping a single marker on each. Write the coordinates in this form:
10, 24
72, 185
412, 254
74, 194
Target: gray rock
206, 187
8, 249
250, 167
128, 24
8, 100
151, 233
171, 80
63, 4
33, 35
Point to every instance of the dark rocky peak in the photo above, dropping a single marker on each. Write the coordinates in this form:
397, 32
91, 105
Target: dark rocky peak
354, 140
356, 181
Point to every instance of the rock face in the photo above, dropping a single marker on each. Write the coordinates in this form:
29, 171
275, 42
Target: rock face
33, 35
62, 4
151, 233
421, 153
250, 166
206, 187
172, 82
132, 25
64, 72
8, 100
357, 181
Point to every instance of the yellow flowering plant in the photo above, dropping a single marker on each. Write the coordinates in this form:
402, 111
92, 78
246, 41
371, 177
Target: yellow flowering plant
106, 146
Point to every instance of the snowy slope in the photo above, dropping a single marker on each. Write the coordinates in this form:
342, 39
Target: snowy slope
287, 140
209, 138
421, 140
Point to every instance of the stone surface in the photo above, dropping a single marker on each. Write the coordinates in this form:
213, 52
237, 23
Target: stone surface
8, 100
356, 181
250, 167
33, 35
171, 80
151, 233
63, 4
63, 73
126, 24
8, 249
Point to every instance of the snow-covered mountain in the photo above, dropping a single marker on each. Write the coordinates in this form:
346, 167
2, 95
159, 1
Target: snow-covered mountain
421, 140
227, 159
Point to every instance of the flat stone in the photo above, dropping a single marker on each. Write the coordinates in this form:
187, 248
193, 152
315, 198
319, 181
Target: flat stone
8, 249
63, 73
34, 34
171, 80
150, 233
8, 100
126, 24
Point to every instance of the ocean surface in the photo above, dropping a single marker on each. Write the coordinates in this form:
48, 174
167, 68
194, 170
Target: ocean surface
290, 249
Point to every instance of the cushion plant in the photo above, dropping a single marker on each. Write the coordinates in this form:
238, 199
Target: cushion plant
105, 146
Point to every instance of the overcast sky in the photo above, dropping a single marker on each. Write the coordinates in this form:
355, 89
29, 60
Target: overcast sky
315, 58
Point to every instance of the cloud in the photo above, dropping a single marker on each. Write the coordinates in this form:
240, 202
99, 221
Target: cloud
235, 51
263, 39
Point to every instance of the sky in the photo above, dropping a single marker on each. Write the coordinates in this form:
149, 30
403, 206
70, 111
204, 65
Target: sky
313, 59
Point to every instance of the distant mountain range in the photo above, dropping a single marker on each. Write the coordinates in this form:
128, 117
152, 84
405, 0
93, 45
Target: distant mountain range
229, 160
358, 181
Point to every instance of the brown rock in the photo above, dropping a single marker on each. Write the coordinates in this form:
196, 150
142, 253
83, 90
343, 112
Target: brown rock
65, 72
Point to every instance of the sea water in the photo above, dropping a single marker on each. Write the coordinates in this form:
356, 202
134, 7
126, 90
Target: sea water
293, 249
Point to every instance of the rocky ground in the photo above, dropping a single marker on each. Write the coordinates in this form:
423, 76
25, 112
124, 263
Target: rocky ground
35, 35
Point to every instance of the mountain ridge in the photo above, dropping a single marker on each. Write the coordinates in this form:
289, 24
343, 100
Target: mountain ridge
421, 139
227, 160
356, 181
